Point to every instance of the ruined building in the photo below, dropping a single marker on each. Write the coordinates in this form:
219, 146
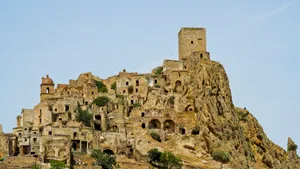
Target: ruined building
186, 101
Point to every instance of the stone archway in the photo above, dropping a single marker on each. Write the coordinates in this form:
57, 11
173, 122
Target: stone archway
154, 124
177, 83
169, 125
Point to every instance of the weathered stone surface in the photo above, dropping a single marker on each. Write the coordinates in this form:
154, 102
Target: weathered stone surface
188, 105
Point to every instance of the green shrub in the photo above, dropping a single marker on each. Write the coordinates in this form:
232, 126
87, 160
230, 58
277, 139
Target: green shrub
171, 100
83, 116
35, 167
114, 86
221, 156
130, 89
292, 147
159, 70
57, 164
104, 160
154, 156
136, 105
155, 136
101, 87
101, 101
120, 96
165, 160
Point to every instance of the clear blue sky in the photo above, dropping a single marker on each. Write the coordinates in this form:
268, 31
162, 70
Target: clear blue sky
256, 41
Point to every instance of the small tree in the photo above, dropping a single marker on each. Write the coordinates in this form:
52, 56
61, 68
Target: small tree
169, 160
101, 87
57, 164
114, 86
101, 101
154, 157
104, 160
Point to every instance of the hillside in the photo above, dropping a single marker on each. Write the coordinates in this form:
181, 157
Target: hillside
186, 103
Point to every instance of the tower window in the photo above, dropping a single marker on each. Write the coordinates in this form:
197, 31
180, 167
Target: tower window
47, 90
137, 83
143, 114
143, 125
192, 42
136, 90
127, 83
155, 81
201, 55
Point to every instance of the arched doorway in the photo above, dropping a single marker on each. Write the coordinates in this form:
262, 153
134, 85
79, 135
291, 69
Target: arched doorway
154, 124
169, 125
177, 83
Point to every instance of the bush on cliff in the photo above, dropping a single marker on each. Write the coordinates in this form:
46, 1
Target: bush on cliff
83, 116
101, 87
101, 101
104, 160
155, 136
114, 86
164, 160
221, 156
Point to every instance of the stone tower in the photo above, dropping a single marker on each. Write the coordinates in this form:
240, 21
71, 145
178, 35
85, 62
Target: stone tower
191, 40
47, 88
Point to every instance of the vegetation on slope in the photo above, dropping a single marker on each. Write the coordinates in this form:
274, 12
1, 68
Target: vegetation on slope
101, 101
163, 160
104, 160
101, 87
83, 116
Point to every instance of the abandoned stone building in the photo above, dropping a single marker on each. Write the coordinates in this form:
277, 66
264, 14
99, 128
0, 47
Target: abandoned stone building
137, 103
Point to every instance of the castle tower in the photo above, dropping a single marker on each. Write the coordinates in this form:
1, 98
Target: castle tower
191, 40
47, 88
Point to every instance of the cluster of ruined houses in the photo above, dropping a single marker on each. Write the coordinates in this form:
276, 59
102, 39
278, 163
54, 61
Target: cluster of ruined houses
50, 131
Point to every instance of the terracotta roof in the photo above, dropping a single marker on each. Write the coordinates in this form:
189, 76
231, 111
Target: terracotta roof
47, 80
